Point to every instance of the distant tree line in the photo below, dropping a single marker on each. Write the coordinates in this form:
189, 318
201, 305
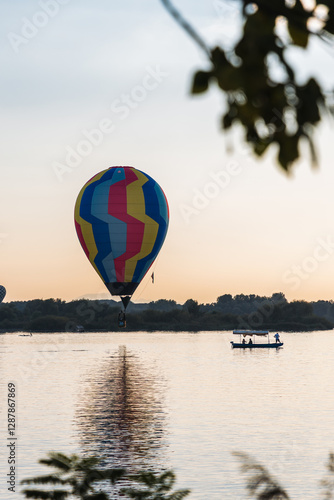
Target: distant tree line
227, 313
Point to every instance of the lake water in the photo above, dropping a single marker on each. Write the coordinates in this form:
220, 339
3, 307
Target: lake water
184, 401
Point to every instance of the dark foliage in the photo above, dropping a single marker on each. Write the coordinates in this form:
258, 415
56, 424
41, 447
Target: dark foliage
273, 111
227, 313
76, 477
80, 478
260, 483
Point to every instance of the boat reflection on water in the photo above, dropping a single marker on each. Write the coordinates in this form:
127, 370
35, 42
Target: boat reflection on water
121, 417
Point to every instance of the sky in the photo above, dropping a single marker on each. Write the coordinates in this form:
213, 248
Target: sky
88, 85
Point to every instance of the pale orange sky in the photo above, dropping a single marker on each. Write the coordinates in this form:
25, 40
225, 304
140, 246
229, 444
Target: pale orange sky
238, 225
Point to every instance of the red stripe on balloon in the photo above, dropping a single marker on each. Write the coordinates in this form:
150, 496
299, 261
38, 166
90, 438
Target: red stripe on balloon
81, 238
117, 207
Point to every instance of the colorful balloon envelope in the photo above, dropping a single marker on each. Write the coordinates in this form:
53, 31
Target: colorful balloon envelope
121, 219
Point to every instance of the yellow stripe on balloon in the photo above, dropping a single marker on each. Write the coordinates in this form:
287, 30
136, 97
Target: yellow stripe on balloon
136, 208
86, 227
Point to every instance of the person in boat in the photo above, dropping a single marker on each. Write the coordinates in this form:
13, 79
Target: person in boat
243, 341
276, 336
121, 319
250, 341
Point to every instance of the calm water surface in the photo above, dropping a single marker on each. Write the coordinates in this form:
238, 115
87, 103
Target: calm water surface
173, 400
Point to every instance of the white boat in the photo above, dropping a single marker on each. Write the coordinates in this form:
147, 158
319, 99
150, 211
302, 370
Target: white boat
252, 341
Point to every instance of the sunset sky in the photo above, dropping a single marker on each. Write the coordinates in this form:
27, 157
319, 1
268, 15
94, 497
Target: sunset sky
88, 85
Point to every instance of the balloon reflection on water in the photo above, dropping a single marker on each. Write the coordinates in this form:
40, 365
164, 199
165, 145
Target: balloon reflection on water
121, 417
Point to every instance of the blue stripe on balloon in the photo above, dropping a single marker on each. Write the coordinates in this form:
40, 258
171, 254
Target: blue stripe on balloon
95, 195
98, 227
162, 203
116, 229
156, 208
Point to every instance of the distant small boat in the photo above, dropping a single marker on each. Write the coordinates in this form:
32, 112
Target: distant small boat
242, 344
25, 334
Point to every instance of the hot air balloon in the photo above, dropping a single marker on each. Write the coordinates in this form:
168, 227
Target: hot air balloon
121, 219
2, 293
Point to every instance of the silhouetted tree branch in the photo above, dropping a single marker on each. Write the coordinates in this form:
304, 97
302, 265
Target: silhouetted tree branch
271, 111
82, 480
81, 477
260, 483
328, 482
